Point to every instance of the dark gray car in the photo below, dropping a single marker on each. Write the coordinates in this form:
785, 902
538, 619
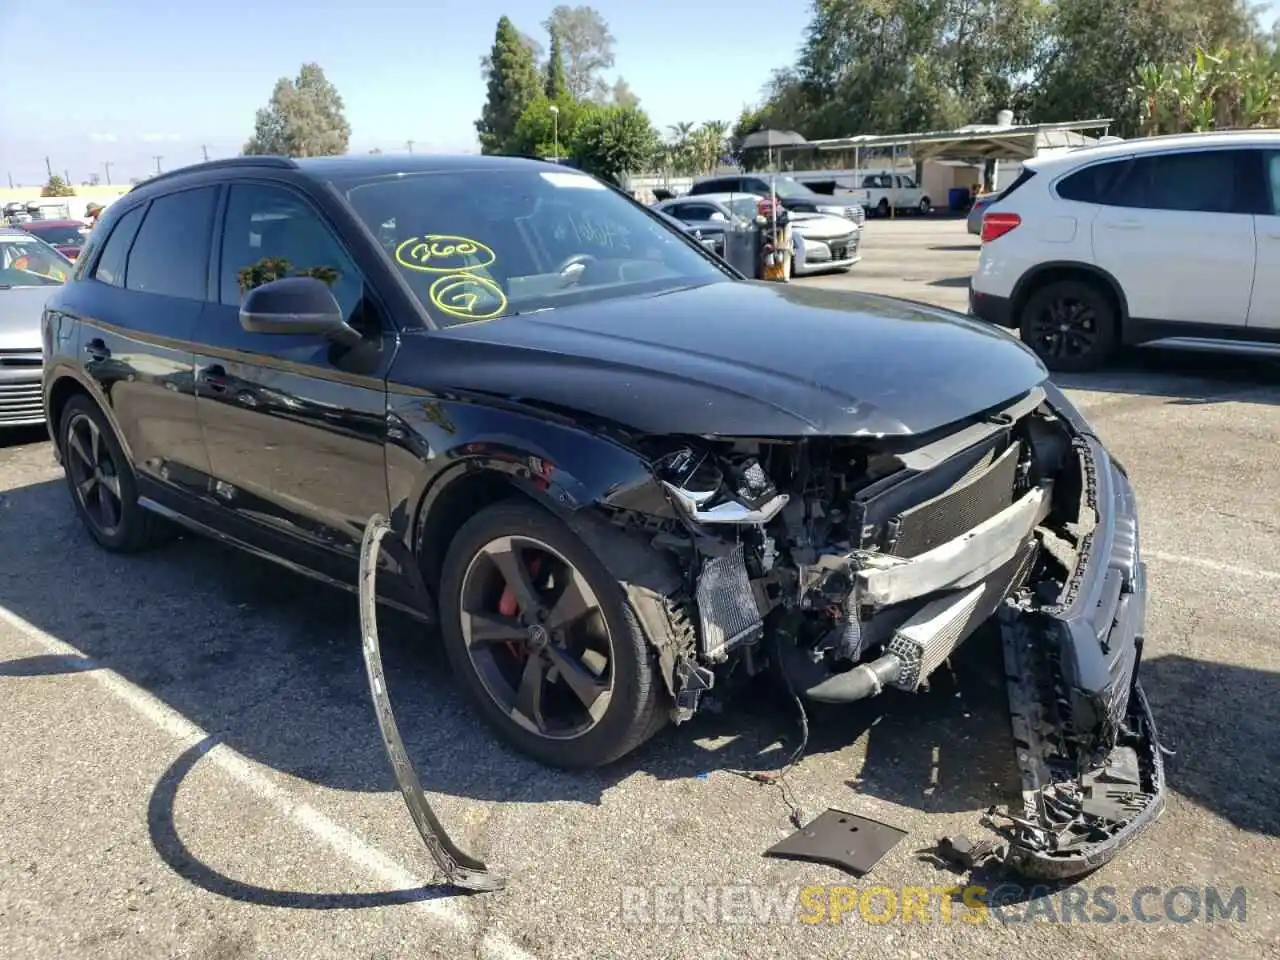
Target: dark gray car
30, 270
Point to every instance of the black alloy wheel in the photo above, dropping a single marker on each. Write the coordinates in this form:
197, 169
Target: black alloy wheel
536, 637
1071, 326
543, 640
102, 482
94, 476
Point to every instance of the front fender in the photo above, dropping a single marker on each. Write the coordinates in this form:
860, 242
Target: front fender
435, 444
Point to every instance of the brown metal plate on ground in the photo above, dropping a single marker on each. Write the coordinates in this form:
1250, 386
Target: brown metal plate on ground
840, 839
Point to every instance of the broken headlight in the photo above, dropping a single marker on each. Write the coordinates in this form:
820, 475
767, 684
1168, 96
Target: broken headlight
712, 490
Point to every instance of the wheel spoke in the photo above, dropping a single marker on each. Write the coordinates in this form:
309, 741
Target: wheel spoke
112, 483
109, 507
95, 442
586, 686
81, 451
486, 628
511, 565
86, 487
576, 601
529, 696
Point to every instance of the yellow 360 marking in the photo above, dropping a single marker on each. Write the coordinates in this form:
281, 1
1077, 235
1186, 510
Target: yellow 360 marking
441, 253
459, 294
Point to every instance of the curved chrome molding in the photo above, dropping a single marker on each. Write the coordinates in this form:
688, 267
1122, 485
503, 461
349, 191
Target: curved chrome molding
732, 512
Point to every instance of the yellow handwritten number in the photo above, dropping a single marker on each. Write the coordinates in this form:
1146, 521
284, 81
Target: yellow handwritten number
459, 294
442, 253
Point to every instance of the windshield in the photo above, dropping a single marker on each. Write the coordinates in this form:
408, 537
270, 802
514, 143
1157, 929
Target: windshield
60, 234
482, 244
28, 262
746, 208
786, 187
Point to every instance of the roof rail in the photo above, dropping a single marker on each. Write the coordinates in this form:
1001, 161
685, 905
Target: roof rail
279, 163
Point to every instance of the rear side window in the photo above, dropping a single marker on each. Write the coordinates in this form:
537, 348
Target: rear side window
170, 257
1022, 178
1092, 184
115, 254
716, 186
1205, 181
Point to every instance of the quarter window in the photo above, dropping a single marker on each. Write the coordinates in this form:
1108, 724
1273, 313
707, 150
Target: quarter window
170, 256
115, 254
272, 233
1273, 182
1093, 183
1204, 181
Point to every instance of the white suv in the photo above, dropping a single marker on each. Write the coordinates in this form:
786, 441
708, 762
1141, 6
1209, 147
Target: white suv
1174, 240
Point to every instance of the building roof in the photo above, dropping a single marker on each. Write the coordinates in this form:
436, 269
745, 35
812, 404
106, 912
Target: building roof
976, 141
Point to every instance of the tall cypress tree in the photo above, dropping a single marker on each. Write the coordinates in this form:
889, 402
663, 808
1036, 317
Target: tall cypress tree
513, 85
554, 84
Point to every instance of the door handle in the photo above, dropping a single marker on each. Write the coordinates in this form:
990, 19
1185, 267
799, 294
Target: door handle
215, 378
97, 349
1123, 225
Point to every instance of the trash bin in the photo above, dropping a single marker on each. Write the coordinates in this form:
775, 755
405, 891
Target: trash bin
958, 199
742, 250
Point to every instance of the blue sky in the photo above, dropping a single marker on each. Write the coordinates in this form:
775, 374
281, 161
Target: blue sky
139, 78
185, 74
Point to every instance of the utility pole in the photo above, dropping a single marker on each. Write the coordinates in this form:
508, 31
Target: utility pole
11, 181
49, 167
205, 150
409, 144
157, 159
107, 166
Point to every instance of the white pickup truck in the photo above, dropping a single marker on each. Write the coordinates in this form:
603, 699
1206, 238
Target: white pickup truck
895, 192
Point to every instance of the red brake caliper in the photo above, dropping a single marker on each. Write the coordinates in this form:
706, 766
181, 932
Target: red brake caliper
507, 605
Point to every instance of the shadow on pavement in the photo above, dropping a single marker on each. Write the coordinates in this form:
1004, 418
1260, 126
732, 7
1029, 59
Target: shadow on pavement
270, 664
950, 281
1184, 377
1222, 723
22, 436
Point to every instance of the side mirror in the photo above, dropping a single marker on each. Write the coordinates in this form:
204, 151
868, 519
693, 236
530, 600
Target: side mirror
296, 305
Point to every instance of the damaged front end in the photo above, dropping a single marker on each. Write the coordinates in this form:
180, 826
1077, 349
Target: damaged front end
852, 564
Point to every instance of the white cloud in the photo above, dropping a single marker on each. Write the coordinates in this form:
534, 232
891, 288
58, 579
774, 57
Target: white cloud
103, 137
158, 137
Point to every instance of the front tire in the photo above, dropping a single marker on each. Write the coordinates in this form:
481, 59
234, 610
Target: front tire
882, 208
1071, 325
102, 482
541, 637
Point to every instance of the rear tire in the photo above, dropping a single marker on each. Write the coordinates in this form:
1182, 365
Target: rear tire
493, 674
102, 483
882, 208
1071, 325
925, 208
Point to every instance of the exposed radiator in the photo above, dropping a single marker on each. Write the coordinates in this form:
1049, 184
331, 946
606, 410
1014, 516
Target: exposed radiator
979, 495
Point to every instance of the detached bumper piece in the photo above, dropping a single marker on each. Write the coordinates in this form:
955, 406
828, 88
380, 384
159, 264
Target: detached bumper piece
458, 867
1087, 747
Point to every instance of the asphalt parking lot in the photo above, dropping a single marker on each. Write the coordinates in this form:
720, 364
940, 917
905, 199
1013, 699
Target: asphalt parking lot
190, 767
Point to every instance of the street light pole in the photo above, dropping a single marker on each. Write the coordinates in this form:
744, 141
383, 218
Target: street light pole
555, 126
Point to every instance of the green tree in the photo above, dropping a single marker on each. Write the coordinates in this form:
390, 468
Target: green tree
57, 187
621, 95
555, 86
513, 85
304, 118
1230, 89
537, 129
587, 48
1096, 48
611, 142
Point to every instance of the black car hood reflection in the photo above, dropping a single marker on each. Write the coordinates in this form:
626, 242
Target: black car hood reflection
738, 358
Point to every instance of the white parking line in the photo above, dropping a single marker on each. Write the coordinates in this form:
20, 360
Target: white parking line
1232, 568
235, 765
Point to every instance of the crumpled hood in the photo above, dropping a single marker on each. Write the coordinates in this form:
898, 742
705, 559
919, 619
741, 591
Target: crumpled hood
737, 358
20, 312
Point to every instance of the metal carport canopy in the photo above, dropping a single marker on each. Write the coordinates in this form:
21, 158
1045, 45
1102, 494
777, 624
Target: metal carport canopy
967, 144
